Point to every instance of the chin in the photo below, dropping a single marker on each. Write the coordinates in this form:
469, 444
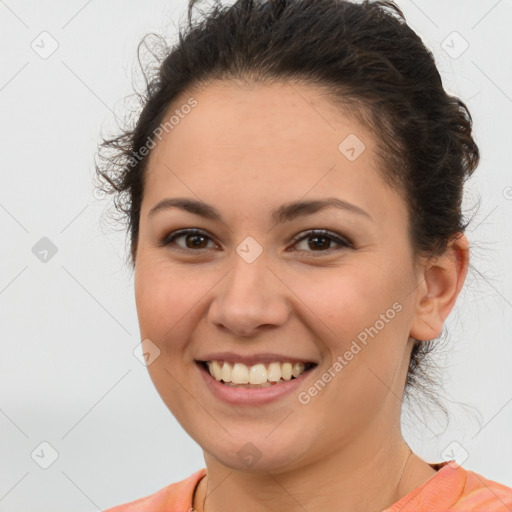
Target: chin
257, 454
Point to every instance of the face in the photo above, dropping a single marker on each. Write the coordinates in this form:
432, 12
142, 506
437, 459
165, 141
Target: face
254, 287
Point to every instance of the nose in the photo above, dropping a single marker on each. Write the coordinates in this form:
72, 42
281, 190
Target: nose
250, 299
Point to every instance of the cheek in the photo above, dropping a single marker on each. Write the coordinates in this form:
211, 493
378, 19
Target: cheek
363, 311
167, 307
347, 299
166, 301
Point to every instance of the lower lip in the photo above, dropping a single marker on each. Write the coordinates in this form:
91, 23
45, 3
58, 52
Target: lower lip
247, 396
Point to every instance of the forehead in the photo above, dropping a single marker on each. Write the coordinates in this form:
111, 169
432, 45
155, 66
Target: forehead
265, 144
234, 119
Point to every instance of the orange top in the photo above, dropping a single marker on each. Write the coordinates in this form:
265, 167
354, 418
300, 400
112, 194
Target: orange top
451, 489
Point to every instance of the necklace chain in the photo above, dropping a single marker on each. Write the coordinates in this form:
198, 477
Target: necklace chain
398, 485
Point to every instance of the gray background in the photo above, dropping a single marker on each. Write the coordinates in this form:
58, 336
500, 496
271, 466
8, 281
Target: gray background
68, 375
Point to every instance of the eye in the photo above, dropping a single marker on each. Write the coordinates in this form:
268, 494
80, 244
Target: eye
321, 240
194, 239
198, 239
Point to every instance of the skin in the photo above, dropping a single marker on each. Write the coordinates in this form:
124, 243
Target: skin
246, 150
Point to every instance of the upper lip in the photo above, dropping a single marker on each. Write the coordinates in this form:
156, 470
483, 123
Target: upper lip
252, 359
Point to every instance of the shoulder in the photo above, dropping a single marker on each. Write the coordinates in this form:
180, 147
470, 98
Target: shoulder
456, 489
174, 497
481, 493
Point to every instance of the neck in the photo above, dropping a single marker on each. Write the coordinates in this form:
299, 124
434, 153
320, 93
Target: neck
355, 479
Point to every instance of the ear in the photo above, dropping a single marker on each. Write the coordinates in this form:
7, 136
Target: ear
440, 281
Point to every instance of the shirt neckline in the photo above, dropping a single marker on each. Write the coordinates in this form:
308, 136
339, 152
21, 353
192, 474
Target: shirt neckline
448, 483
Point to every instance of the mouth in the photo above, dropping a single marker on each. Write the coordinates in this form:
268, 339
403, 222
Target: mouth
259, 375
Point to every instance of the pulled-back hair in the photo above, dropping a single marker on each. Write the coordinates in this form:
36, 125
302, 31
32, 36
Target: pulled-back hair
371, 65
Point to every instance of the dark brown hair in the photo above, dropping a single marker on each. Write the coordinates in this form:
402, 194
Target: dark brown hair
366, 59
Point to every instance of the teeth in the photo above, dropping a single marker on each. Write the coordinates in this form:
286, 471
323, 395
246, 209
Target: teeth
274, 372
215, 370
258, 374
225, 373
297, 369
286, 371
240, 374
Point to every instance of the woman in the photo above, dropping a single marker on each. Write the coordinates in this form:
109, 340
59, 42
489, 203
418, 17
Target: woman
293, 189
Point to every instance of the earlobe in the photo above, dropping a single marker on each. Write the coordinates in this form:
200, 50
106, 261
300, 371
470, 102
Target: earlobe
441, 281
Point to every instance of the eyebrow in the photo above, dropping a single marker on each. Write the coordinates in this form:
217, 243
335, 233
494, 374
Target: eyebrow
285, 213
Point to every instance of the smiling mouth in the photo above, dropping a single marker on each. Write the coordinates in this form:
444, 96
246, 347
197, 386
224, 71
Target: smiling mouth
255, 376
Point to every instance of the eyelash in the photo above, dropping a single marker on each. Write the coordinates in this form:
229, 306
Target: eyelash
341, 241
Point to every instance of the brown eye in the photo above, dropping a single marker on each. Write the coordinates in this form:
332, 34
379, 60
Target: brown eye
194, 239
320, 240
